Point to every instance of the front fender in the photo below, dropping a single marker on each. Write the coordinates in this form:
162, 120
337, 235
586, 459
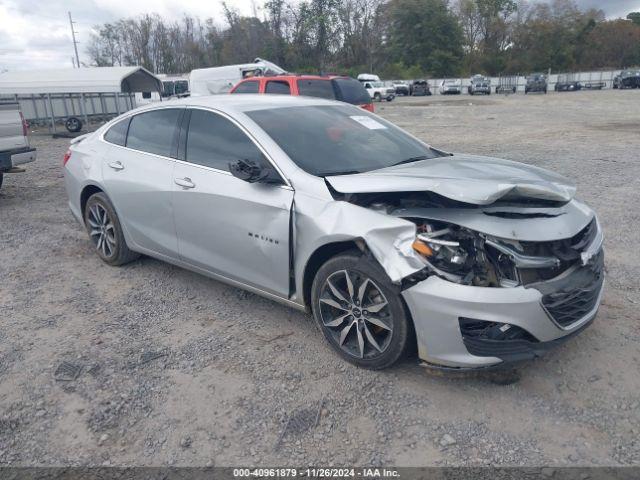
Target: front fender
318, 222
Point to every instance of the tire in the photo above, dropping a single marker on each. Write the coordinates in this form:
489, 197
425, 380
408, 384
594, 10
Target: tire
112, 249
73, 124
1, 178
377, 97
368, 341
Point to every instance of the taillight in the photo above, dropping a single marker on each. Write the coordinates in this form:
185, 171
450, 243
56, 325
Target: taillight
25, 126
368, 106
67, 156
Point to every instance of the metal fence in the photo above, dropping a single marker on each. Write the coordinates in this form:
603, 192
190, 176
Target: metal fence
49, 109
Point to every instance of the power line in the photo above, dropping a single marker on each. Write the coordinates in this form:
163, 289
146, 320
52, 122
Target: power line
75, 43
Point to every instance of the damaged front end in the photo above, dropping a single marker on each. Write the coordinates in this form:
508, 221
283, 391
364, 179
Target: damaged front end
504, 281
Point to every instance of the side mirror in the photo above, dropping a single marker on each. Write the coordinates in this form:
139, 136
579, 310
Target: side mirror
250, 171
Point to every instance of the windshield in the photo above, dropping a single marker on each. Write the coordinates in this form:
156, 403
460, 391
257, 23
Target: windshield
333, 140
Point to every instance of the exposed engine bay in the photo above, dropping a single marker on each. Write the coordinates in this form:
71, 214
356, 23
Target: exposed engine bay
469, 256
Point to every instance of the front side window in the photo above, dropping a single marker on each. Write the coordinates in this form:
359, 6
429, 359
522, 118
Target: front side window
247, 87
333, 140
153, 132
214, 141
278, 86
118, 133
316, 88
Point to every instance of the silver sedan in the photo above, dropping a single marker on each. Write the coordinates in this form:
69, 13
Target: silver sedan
391, 244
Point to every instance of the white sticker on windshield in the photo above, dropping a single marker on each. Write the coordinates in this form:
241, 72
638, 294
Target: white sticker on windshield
368, 122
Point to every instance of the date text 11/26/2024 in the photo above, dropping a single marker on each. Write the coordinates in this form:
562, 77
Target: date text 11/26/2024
315, 472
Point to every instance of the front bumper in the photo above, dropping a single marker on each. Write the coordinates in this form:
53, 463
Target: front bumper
437, 307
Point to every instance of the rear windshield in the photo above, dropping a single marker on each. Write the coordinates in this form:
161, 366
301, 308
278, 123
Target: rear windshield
336, 140
351, 91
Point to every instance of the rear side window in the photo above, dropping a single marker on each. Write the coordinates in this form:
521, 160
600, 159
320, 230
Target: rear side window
351, 91
118, 133
316, 88
247, 87
214, 141
153, 132
278, 86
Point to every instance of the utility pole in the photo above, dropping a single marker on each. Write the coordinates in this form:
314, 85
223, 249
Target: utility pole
75, 43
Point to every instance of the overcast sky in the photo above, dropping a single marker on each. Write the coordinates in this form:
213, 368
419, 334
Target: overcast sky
36, 33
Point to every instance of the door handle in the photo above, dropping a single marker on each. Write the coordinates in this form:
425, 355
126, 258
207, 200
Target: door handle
184, 182
116, 165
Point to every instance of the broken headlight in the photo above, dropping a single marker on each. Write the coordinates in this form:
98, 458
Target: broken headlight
448, 249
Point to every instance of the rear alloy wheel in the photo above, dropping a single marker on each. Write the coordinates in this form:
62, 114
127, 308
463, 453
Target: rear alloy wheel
105, 231
360, 312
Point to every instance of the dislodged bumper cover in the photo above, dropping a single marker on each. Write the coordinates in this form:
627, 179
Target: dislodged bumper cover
466, 178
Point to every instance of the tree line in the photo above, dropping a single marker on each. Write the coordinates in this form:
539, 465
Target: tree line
393, 38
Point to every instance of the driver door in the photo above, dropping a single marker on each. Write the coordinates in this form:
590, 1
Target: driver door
227, 226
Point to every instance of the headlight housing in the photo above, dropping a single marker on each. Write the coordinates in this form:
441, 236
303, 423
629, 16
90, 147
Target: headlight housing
446, 247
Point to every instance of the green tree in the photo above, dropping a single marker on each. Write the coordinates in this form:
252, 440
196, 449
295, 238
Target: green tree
425, 33
634, 17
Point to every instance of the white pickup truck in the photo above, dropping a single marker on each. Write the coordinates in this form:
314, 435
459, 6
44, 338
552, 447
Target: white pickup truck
14, 140
377, 90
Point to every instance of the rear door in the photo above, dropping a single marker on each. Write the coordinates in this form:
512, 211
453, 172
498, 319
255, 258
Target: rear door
138, 177
225, 225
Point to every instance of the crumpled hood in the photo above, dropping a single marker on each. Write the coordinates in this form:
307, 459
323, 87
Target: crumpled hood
466, 178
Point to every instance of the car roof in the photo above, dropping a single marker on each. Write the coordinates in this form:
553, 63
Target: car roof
293, 76
247, 102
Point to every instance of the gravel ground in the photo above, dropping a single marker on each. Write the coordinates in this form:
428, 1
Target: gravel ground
166, 367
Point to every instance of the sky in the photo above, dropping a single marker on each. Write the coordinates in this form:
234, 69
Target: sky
35, 34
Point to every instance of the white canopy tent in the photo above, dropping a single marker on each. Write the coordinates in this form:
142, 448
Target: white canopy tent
71, 94
79, 80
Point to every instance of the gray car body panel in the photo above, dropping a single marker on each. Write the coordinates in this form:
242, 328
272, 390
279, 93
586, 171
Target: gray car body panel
319, 220
466, 178
552, 224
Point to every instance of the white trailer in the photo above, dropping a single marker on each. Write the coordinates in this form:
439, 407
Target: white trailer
74, 96
173, 86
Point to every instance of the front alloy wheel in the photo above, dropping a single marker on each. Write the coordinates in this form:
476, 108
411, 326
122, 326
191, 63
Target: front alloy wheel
360, 311
356, 313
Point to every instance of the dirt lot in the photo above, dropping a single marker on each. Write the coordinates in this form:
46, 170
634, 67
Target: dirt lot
182, 370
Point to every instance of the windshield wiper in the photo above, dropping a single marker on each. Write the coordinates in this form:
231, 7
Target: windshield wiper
343, 172
411, 160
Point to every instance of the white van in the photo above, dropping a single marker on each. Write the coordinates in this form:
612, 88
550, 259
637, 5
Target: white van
172, 86
216, 80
